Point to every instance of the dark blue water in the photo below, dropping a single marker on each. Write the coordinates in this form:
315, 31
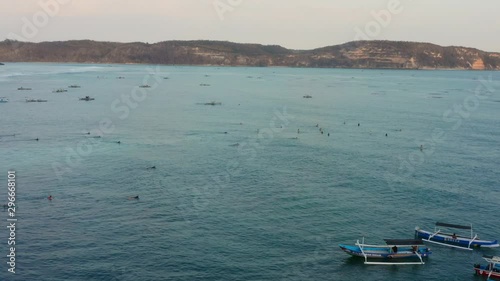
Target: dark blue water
260, 202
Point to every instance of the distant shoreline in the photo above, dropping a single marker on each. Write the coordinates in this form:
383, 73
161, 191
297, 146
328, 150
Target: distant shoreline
250, 66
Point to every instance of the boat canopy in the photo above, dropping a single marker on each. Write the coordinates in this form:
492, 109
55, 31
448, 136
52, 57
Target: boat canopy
404, 242
457, 226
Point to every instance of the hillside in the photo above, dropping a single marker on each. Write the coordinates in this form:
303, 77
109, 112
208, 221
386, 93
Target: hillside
359, 54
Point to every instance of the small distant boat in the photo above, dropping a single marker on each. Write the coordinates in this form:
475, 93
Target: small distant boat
490, 270
24, 89
4, 100
213, 103
74, 86
35, 100
452, 240
144, 86
204, 85
87, 98
395, 252
307, 97
60, 91
120, 77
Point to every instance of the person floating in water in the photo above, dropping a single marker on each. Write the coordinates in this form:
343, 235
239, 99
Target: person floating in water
359, 124
118, 142
317, 125
328, 134
134, 197
50, 197
298, 131
421, 147
386, 135
37, 139
153, 167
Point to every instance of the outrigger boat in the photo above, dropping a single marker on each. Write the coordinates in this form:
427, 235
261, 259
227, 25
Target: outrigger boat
395, 252
87, 98
490, 270
452, 240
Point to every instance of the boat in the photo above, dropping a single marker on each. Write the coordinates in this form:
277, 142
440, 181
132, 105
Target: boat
74, 86
23, 89
490, 270
144, 86
453, 240
4, 100
60, 91
395, 252
307, 97
213, 103
204, 85
87, 98
35, 100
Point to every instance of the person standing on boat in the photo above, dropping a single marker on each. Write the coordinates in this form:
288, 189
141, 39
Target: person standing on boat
395, 249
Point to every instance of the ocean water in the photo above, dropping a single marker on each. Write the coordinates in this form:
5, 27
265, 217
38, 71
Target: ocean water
238, 193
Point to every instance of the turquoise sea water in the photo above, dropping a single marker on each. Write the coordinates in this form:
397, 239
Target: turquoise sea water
255, 203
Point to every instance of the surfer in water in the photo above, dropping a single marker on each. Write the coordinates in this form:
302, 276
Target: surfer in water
50, 198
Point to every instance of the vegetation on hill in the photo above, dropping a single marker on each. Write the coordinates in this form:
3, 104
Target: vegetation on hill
357, 54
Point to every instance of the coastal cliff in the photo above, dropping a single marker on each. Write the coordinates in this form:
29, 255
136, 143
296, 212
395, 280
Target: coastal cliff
358, 54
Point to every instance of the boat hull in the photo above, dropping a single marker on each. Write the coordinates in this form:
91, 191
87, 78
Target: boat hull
459, 241
483, 271
403, 253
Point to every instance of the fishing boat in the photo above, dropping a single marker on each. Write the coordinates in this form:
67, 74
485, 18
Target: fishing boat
4, 100
213, 103
451, 239
395, 252
87, 98
490, 270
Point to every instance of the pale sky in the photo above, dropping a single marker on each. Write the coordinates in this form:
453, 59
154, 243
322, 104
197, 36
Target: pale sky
295, 24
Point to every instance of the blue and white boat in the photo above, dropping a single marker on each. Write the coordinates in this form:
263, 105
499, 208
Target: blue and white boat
453, 240
3, 100
395, 252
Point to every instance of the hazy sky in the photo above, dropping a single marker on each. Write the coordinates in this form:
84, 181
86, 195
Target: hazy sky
296, 24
